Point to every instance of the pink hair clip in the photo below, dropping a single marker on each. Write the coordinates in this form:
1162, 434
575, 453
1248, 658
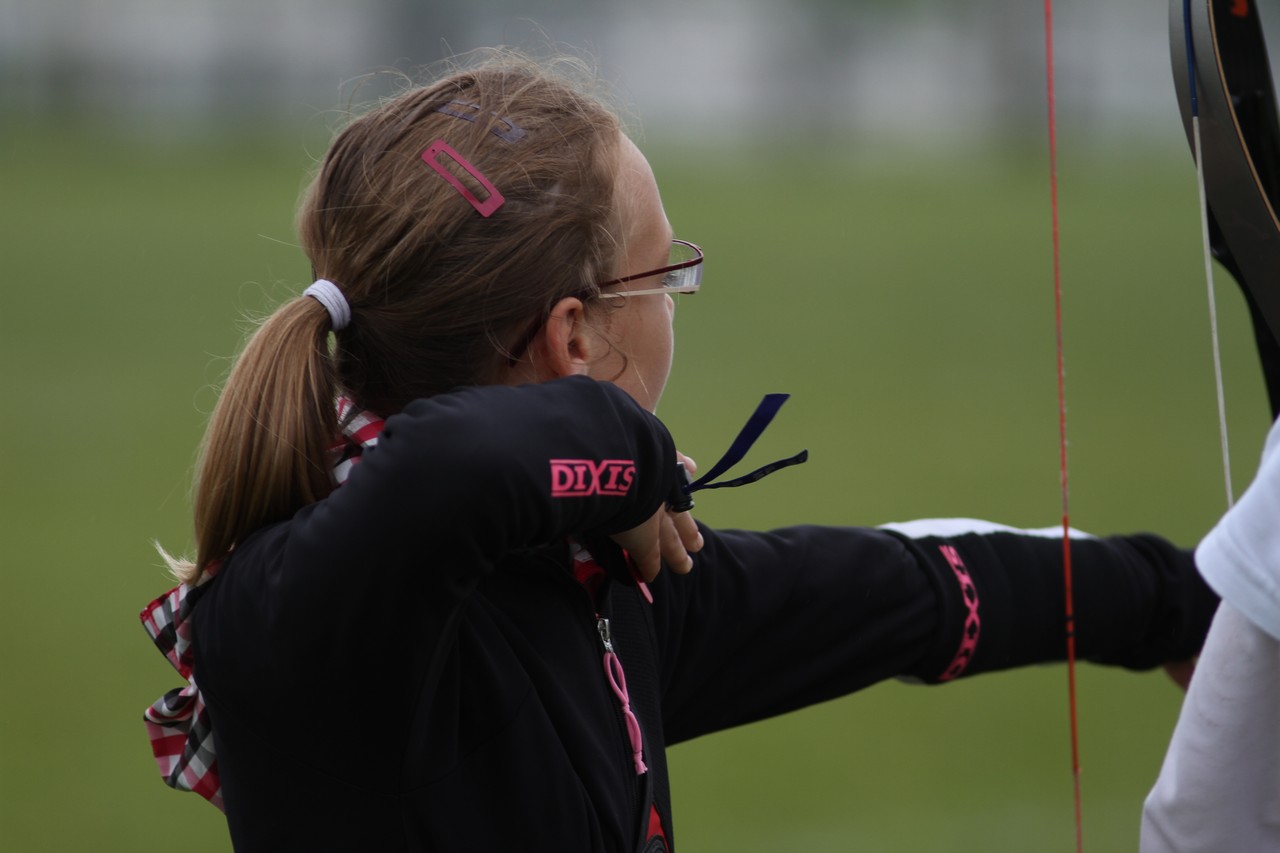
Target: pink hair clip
431, 156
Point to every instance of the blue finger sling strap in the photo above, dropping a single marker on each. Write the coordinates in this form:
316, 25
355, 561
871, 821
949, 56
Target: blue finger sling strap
681, 500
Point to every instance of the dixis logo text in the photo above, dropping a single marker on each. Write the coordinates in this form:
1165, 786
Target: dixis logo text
580, 478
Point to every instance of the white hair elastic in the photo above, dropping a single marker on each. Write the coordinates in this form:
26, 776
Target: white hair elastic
327, 294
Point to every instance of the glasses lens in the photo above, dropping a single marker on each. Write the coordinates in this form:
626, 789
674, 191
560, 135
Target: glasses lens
686, 279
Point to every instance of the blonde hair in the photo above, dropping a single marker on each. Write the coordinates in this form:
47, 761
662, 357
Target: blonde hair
437, 291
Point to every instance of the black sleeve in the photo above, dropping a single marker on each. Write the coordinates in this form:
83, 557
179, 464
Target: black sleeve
769, 622
1138, 601
454, 483
461, 479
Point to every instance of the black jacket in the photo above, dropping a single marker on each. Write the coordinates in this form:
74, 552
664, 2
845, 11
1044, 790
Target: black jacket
409, 664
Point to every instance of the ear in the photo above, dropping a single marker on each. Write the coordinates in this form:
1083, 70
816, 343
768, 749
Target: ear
568, 344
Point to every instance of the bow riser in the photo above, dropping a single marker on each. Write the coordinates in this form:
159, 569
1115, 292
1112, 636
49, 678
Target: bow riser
1240, 145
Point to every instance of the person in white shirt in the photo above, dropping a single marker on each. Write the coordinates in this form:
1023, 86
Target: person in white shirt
1219, 788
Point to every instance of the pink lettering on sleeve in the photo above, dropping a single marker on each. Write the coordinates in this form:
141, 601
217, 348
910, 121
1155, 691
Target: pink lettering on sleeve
581, 478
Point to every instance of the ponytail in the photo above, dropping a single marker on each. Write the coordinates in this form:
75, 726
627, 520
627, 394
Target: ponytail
265, 452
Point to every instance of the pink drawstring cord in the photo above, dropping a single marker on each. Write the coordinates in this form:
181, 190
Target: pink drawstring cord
618, 681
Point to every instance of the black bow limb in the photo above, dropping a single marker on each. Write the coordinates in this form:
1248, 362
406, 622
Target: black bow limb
1220, 68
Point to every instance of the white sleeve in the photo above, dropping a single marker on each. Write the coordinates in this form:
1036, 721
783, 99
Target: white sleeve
1219, 788
1240, 558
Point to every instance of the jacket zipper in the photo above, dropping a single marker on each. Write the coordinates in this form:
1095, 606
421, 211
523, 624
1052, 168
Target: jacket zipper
618, 683
635, 737
625, 718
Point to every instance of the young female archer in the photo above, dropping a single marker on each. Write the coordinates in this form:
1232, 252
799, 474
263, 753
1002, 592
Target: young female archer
428, 609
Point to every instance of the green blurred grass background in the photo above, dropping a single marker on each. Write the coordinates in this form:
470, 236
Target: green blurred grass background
905, 302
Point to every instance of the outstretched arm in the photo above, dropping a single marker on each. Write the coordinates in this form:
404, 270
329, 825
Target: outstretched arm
774, 621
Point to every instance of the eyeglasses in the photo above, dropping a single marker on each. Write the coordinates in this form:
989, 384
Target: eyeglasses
682, 274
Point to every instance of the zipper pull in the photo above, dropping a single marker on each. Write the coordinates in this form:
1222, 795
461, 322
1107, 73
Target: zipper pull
618, 683
606, 635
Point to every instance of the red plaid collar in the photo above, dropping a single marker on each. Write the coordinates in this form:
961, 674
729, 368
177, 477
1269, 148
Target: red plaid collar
178, 722
360, 430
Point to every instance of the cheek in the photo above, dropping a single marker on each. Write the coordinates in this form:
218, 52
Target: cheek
663, 329
664, 339
671, 335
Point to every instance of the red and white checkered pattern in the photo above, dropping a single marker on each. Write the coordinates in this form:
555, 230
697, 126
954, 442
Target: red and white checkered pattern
360, 431
178, 722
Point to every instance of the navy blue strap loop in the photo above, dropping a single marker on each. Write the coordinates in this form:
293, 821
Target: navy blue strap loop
754, 428
758, 474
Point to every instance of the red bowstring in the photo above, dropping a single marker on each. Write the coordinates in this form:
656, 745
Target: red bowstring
1062, 421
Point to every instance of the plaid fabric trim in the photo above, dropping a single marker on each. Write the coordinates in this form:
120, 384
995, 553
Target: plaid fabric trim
586, 570
360, 431
178, 722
